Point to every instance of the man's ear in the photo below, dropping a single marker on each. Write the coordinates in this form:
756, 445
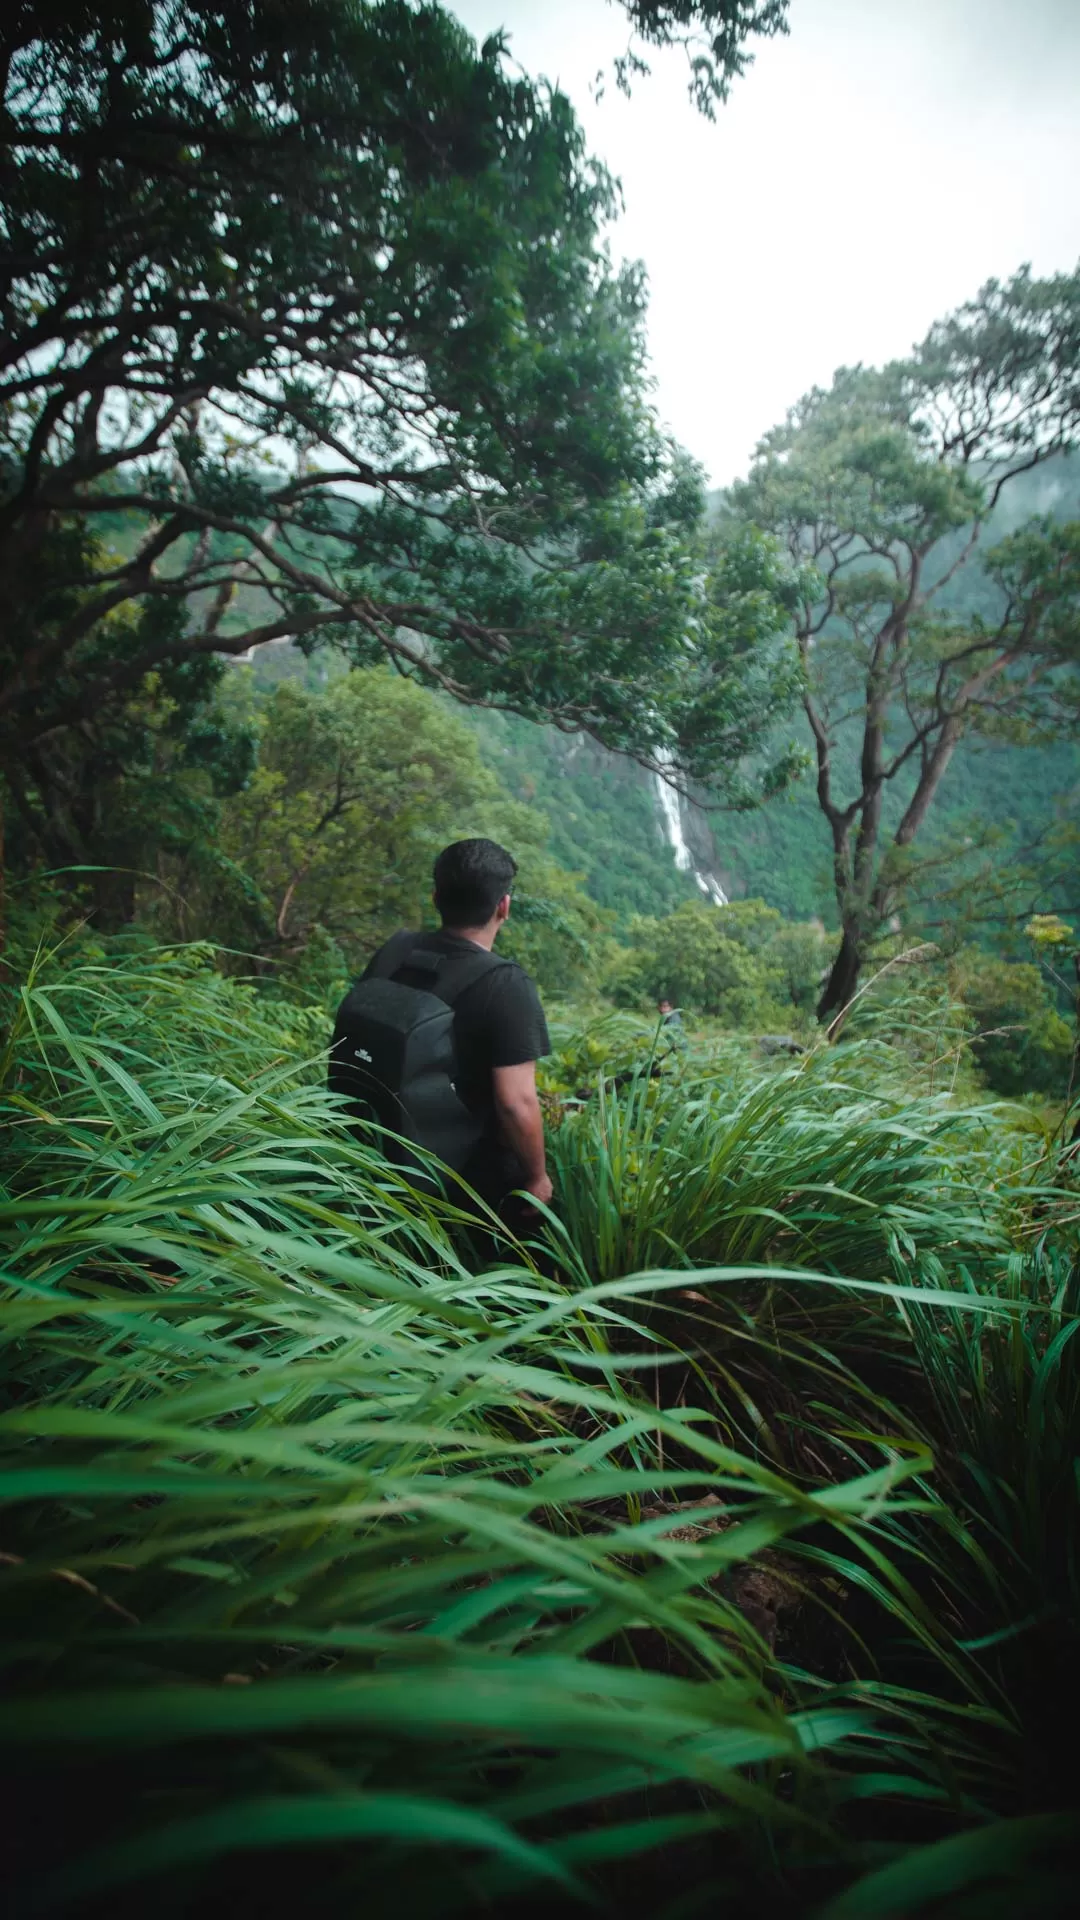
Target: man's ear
502, 911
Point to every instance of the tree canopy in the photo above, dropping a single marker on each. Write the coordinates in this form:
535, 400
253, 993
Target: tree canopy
309, 329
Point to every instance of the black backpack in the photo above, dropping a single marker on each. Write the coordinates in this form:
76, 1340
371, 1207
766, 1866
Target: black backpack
393, 1055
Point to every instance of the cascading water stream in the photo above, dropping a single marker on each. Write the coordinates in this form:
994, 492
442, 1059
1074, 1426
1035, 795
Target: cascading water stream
671, 812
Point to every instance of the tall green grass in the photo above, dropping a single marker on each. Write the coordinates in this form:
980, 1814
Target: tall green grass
333, 1570
807, 1165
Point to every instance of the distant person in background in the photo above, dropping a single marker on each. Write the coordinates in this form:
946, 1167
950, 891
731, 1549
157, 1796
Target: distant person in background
671, 1023
438, 1040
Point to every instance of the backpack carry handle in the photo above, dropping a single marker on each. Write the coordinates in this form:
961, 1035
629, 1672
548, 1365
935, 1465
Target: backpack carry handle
421, 961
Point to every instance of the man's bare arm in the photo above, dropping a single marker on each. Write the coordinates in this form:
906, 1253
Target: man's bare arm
521, 1123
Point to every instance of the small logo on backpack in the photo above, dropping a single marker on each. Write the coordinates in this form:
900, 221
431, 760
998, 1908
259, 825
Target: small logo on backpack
361, 1053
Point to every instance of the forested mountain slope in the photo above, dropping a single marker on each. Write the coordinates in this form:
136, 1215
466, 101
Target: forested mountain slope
606, 820
605, 817
602, 809
604, 813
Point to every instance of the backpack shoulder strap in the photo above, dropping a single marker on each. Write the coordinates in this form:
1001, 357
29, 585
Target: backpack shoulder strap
459, 972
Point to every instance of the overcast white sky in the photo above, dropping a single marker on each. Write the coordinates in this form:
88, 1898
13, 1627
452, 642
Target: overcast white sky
868, 174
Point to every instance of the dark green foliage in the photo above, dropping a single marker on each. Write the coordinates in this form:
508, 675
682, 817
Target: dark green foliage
1022, 1044
329, 847
211, 211
689, 960
1000, 840
718, 1553
134, 789
742, 964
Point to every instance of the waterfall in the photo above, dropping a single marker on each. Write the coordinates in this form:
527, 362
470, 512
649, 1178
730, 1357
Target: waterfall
671, 812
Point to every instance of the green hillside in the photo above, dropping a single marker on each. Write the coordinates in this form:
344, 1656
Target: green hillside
604, 818
605, 822
601, 809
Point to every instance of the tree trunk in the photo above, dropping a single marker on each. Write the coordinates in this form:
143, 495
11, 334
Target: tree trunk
3, 894
113, 900
932, 775
843, 978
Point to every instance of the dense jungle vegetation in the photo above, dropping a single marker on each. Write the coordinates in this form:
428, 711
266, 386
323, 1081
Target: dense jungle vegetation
717, 1549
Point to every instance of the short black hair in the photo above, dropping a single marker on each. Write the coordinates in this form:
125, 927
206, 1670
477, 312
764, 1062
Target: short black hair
470, 879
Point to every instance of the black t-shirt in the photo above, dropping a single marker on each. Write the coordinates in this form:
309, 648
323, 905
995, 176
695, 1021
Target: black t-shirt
498, 1022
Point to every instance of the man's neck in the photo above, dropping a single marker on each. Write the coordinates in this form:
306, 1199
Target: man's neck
480, 936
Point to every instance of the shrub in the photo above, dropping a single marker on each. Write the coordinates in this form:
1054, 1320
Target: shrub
1022, 1044
741, 964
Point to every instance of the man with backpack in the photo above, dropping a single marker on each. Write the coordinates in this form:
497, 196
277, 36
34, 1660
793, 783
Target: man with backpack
439, 1038
671, 1025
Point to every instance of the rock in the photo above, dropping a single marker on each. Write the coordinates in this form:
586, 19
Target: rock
780, 1043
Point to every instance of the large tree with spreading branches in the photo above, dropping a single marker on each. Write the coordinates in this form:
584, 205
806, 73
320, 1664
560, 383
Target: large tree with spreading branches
309, 331
884, 485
